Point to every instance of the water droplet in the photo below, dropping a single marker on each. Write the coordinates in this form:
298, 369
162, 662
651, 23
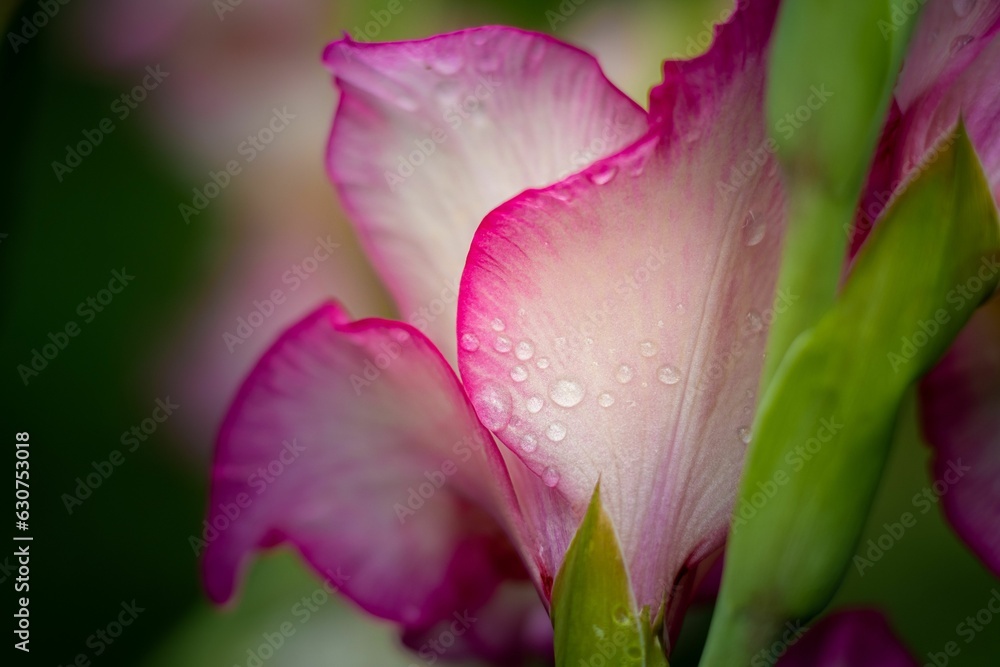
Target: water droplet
647, 348
405, 102
561, 193
480, 37
529, 443
605, 400
680, 309
624, 373
963, 7
534, 404
469, 342
542, 363
555, 432
960, 43
753, 229
448, 63
519, 373
634, 652
550, 477
524, 350
661, 324
502, 344
621, 616
668, 375
603, 173
745, 435
493, 405
566, 393
755, 322
497, 324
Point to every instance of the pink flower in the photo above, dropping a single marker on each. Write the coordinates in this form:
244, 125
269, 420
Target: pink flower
617, 272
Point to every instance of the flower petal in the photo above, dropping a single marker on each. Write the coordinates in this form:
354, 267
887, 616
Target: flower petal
857, 638
961, 416
431, 135
613, 325
355, 442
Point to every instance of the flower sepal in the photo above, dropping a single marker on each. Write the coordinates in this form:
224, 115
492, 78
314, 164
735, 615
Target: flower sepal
593, 610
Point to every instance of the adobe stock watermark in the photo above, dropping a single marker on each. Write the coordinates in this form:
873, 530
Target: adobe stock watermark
382, 358
302, 611
599, 146
435, 648
465, 106
623, 285
296, 275
796, 460
770, 655
30, 25
562, 13
417, 495
248, 149
753, 325
381, 18
786, 126
699, 43
882, 199
959, 297
898, 17
131, 440
893, 532
102, 638
88, 309
121, 107
227, 513
968, 629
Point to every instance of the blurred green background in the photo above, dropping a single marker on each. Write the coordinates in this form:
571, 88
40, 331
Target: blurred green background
128, 541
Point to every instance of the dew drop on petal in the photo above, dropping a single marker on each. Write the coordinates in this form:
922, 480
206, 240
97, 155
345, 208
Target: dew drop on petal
753, 229
668, 375
524, 350
534, 404
603, 173
550, 477
745, 435
519, 373
621, 616
448, 63
555, 432
647, 348
960, 43
605, 400
528, 443
493, 405
755, 322
624, 373
497, 324
542, 363
566, 393
502, 344
469, 342
680, 308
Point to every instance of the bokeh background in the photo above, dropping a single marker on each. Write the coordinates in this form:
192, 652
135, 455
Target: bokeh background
225, 66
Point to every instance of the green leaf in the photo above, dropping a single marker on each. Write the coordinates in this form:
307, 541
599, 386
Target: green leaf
833, 66
825, 423
593, 609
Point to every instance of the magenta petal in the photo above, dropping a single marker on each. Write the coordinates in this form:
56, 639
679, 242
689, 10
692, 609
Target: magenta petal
354, 442
961, 414
616, 321
431, 135
857, 638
